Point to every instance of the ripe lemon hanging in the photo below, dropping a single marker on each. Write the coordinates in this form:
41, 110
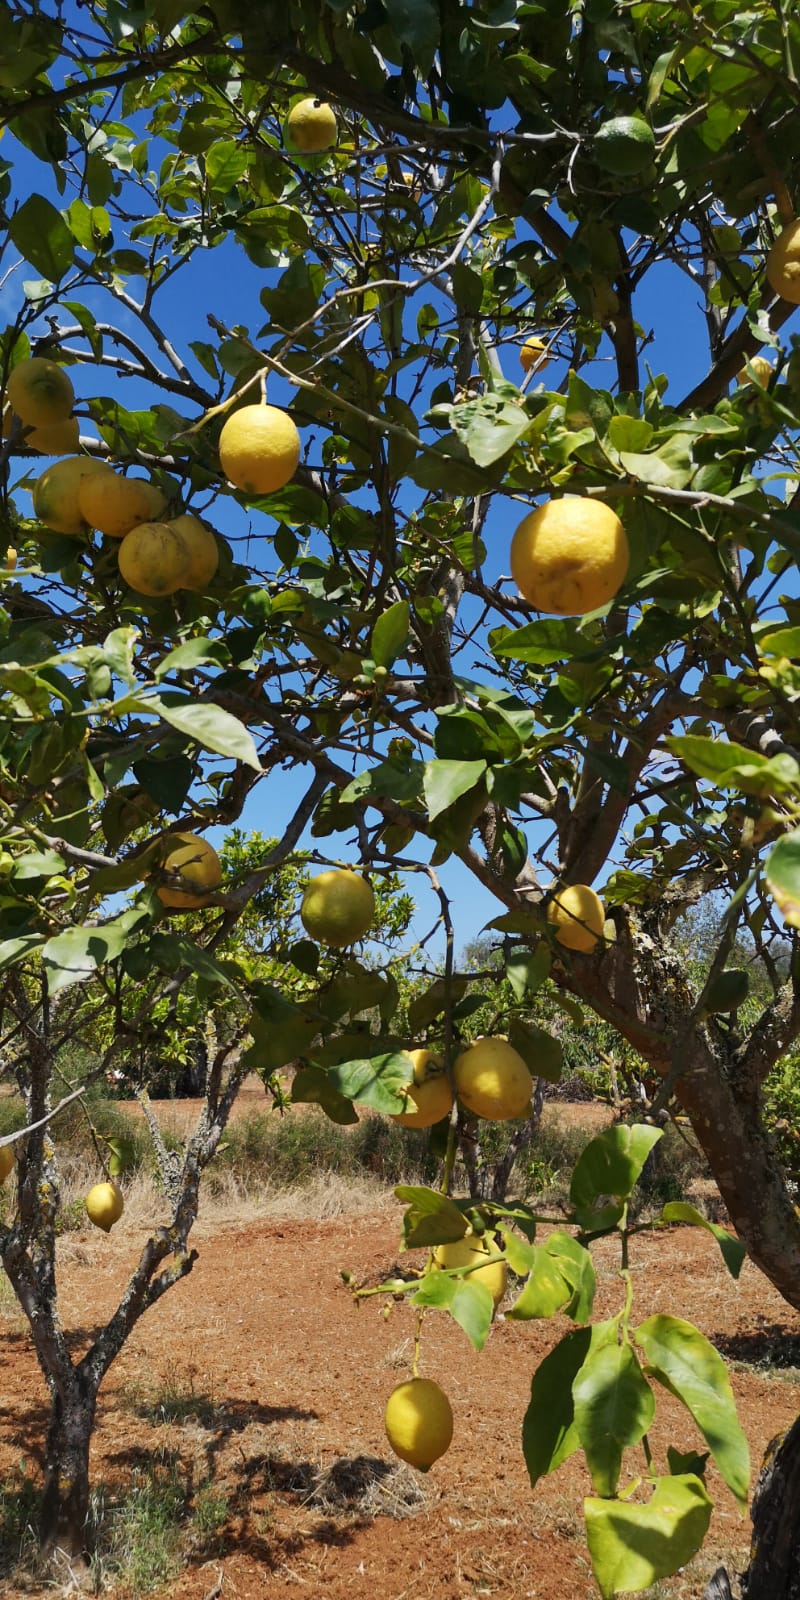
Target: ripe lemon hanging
115, 504
531, 354
467, 1252
199, 867
338, 907
7, 1159
55, 493
310, 127
419, 1422
104, 1205
762, 371
56, 439
492, 1080
40, 392
783, 263
578, 915
154, 559
570, 556
202, 547
259, 448
429, 1097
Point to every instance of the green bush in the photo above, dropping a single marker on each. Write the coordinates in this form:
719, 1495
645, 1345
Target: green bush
782, 1112
295, 1148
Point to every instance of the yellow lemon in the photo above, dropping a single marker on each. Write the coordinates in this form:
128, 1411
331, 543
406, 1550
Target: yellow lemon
578, 915
57, 439
419, 1422
154, 559
259, 448
55, 493
338, 907
104, 1205
531, 353
492, 1080
7, 1159
569, 556
430, 1094
310, 127
761, 368
202, 547
467, 1252
40, 392
11, 559
115, 504
199, 867
783, 263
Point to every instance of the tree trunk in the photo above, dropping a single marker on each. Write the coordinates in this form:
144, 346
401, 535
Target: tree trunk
65, 1501
718, 1587
519, 1140
774, 1570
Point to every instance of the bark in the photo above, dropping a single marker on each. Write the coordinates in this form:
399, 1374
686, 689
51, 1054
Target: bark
638, 983
774, 1570
65, 1500
718, 1587
519, 1141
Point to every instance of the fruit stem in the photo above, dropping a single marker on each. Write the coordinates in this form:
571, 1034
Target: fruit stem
417, 1342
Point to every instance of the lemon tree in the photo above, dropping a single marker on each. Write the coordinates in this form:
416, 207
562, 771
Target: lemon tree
431, 615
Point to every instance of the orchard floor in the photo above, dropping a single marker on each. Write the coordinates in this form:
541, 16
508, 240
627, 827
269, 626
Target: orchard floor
259, 1376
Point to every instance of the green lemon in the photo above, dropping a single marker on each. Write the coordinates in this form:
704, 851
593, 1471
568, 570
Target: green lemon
624, 145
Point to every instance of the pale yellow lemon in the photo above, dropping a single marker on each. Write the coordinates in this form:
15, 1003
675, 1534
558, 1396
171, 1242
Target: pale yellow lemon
154, 559
531, 354
467, 1252
419, 1422
115, 504
338, 907
569, 556
203, 550
578, 915
311, 127
259, 448
199, 867
429, 1097
104, 1205
783, 263
55, 493
492, 1080
761, 368
40, 392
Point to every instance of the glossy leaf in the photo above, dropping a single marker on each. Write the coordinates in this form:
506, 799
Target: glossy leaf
549, 1434
632, 1546
681, 1359
614, 1407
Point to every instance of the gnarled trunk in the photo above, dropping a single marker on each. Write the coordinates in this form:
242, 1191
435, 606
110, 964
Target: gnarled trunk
65, 1501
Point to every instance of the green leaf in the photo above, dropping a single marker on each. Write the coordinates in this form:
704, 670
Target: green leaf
39, 231
194, 653
549, 1435
209, 726
733, 1251
540, 643
733, 766
14, 950
390, 634
780, 642
689, 1367
489, 427
469, 1303
632, 1546
782, 873
526, 973
122, 1157
542, 1053
226, 162
609, 1166
545, 1291
575, 1264
374, 1081
614, 1407
76, 954
629, 433
444, 782
416, 23
35, 865
431, 1217
312, 1086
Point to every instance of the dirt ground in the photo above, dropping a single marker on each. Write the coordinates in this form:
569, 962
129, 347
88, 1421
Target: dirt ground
261, 1375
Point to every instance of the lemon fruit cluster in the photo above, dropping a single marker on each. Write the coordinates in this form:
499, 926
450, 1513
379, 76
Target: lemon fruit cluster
259, 448
570, 556
429, 1097
104, 1205
783, 263
338, 907
419, 1422
492, 1080
191, 859
578, 916
310, 127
